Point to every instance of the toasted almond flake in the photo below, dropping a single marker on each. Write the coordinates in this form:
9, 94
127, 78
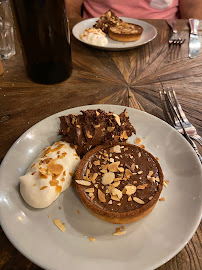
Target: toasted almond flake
101, 196
128, 173
130, 189
115, 198
54, 182
113, 167
89, 135
48, 216
92, 177
117, 149
140, 172
59, 224
96, 185
120, 169
57, 148
92, 198
83, 182
157, 179
78, 212
32, 165
104, 166
111, 160
89, 190
138, 141
157, 158
87, 172
118, 229
97, 126
142, 186
92, 239
162, 199
119, 204
62, 179
41, 175
138, 200
139, 154
108, 178
117, 118
96, 162
167, 181
43, 187
110, 202
97, 113
33, 173
150, 173
54, 168
129, 199
150, 198
151, 179
34, 185
134, 182
132, 167
110, 129
115, 184
117, 192
124, 136
142, 146
91, 194
103, 171
164, 183
71, 174
58, 189
119, 233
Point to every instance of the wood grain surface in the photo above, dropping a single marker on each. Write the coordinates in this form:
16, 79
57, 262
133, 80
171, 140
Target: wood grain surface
127, 78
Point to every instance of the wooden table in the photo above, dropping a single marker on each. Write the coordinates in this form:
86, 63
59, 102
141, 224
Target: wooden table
128, 78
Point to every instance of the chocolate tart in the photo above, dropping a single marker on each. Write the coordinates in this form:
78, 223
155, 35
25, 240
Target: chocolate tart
119, 183
125, 32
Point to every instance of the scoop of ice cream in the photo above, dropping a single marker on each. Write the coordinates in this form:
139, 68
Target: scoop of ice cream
94, 36
49, 175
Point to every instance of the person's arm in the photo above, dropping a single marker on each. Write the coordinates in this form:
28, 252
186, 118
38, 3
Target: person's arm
73, 8
190, 9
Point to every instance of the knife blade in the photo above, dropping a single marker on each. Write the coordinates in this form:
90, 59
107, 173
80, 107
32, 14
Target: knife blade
194, 41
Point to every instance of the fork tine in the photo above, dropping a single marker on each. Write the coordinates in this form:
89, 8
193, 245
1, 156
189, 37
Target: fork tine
179, 108
166, 115
172, 110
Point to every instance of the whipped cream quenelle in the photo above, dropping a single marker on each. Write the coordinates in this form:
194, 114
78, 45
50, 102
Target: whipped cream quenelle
49, 175
94, 36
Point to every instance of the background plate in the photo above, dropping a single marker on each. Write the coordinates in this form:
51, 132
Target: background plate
149, 33
157, 237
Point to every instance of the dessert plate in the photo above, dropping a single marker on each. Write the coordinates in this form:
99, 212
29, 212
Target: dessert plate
149, 33
157, 237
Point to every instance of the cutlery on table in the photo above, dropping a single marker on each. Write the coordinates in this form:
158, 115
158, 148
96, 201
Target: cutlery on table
194, 41
175, 39
174, 114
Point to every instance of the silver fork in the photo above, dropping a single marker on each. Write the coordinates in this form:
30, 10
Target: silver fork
171, 112
175, 39
190, 129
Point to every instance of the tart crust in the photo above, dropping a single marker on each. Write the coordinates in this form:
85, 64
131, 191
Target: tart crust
115, 216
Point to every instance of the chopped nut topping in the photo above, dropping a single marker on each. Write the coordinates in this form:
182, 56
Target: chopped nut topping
162, 199
130, 189
117, 192
43, 187
120, 169
110, 202
89, 135
119, 233
151, 179
54, 168
101, 196
129, 198
140, 172
133, 167
113, 167
137, 200
54, 182
59, 224
150, 173
108, 178
138, 141
142, 186
96, 162
117, 149
164, 183
115, 198
83, 182
139, 154
128, 173
89, 190
117, 118
150, 198
92, 239
142, 146
110, 129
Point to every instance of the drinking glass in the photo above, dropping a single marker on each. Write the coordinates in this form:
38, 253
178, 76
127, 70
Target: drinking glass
7, 42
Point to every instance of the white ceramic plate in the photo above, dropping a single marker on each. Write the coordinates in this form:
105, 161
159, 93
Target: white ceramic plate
149, 33
147, 244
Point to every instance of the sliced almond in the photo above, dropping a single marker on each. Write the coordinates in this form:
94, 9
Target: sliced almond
139, 154
101, 196
124, 136
140, 172
117, 149
162, 199
108, 178
113, 167
117, 192
92, 239
150, 198
59, 224
117, 118
83, 182
110, 129
92, 177
142, 186
89, 190
128, 173
151, 179
110, 202
115, 198
119, 233
130, 189
138, 141
132, 167
138, 200
96, 162
104, 167
157, 179
129, 199
120, 169
150, 173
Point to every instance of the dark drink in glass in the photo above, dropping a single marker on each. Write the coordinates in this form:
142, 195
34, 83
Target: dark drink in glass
43, 31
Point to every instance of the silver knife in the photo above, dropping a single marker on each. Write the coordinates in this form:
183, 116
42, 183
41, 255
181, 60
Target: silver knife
194, 41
